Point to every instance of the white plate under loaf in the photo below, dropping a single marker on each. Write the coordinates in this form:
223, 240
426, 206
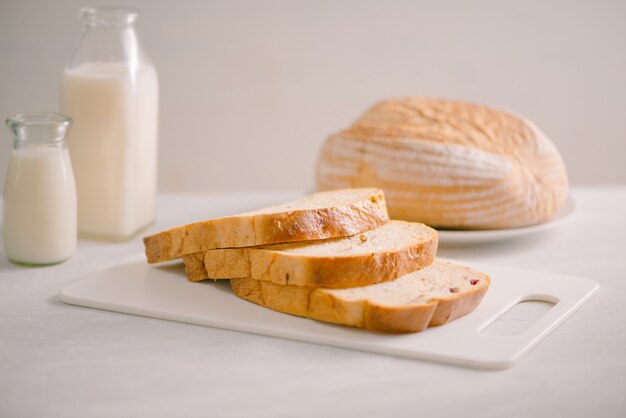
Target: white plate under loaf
470, 237
164, 292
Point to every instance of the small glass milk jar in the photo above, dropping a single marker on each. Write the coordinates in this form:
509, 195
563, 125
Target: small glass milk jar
39, 223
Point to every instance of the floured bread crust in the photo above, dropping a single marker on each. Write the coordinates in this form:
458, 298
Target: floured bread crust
449, 164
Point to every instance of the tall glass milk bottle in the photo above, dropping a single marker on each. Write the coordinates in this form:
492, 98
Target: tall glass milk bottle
110, 89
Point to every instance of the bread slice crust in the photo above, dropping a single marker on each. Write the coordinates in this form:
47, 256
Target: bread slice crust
413, 313
323, 215
378, 255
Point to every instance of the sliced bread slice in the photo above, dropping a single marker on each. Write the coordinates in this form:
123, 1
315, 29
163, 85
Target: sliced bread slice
432, 296
373, 256
337, 213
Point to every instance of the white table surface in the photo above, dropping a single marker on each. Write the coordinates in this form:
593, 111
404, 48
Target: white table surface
68, 361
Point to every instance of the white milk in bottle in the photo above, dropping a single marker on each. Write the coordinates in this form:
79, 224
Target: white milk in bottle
39, 225
111, 91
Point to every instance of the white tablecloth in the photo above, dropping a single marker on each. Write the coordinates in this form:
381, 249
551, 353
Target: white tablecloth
67, 361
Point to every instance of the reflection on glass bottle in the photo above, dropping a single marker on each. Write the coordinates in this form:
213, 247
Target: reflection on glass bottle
110, 89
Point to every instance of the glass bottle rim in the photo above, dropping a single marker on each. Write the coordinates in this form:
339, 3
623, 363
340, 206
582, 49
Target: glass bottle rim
40, 127
109, 16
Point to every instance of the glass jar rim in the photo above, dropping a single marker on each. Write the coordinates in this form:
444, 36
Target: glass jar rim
39, 126
109, 16
32, 118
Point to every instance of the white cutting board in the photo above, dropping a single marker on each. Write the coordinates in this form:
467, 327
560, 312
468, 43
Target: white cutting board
164, 292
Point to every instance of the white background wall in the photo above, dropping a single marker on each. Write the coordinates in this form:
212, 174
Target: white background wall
250, 89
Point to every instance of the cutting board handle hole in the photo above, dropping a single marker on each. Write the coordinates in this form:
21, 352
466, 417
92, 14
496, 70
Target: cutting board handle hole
519, 317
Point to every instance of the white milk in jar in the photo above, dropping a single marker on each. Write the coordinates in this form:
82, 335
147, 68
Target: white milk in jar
39, 193
113, 146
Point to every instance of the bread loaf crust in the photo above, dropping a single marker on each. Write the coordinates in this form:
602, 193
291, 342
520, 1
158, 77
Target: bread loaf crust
253, 229
449, 164
331, 270
323, 305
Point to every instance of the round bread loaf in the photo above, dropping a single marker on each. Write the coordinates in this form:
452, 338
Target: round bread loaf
449, 164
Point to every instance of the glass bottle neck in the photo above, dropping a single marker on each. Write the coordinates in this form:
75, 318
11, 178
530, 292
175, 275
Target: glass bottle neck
109, 16
109, 37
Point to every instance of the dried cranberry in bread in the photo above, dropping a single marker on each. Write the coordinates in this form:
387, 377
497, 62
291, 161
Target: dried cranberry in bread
432, 296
